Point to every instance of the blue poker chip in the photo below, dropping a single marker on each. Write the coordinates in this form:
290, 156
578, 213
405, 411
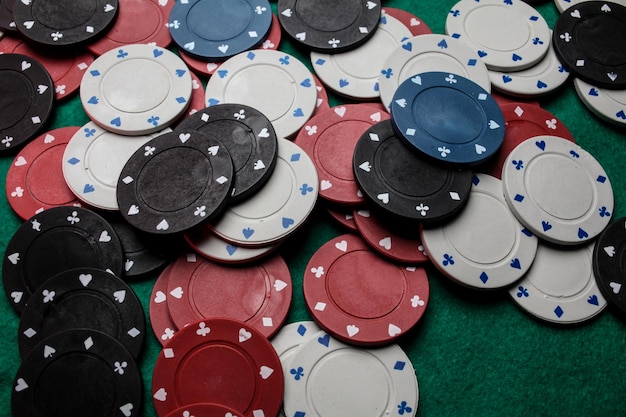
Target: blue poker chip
448, 117
214, 30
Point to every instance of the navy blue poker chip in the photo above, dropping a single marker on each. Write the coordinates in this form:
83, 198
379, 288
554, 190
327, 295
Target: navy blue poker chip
448, 117
214, 30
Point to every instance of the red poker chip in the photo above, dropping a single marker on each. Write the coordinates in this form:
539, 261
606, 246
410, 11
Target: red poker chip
343, 216
398, 242
329, 138
523, 121
412, 22
257, 294
219, 361
66, 68
204, 410
209, 68
322, 96
359, 297
162, 324
138, 21
196, 103
35, 179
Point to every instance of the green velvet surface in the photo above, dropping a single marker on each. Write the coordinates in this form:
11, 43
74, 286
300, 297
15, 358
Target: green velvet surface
474, 353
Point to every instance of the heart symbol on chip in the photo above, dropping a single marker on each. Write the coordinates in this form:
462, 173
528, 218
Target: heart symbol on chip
621, 114
541, 84
20, 161
482, 54
266, 372
384, 198
541, 144
119, 296
506, 79
184, 137
25, 65
407, 46
21, 385
375, 117
325, 185
160, 297
340, 111
127, 409
352, 330
116, 122
394, 330
615, 286
16, 296
287, 222
301, 36
417, 80
575, 13
48, 351
414, 22
324, 340
385, 242
211, 67
306, 83
163, 225
343, 83
85, 279
160, 395
516, 58
582, 234
264, 133
342, 245
244, 335
105, 237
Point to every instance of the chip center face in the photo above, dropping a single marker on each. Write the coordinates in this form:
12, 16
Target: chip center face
136, 85
13, 102
63, 14
328, 15
217, 20
342, 368
43, 187
498, 28
127, 30
550, 178
448, 115
602, 41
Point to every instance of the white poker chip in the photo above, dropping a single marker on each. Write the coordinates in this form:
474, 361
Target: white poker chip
560, 286
136, 89
207, 244
609, 105
563, 5
426, 53
93, 160
329, 378
540, 79
508, 35
484, 247
558, 190
355, 73
273, 82
279, 208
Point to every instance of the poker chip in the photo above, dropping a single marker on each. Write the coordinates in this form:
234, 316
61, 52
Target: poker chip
426, 53
286, 96
74, 371
257, 294
137, 22
207, 244
404, 183
28, 96
53, 241
155, 195
609, 105
250, 139
7, 23
53, 23
204, 410
355, 73
327, 377
279, 208
587, 40
34, 181
329, 139
329, 26
162, 324
83, 298
448, 117
322, 96
136, 89
343, 216
560, 287
416, 25
65, 68
290, 337
557, 190
196, 103
209, 68
523, 121
562, 5
508, 35
485, 246
359, 297
93, 160
542, 78
608, 255
237, 355
214, 30
397, 242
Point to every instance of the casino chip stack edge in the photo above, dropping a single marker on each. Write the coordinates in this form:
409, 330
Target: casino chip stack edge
157, 184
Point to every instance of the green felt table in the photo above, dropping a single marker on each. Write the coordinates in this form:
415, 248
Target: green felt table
474, 353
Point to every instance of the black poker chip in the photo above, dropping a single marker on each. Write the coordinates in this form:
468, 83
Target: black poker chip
6, 15
64, 22
609, 263
589, 38
53, 241
249, 137
77, 373
405, 184
178, 180
329, 26
83, 298
26, 99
